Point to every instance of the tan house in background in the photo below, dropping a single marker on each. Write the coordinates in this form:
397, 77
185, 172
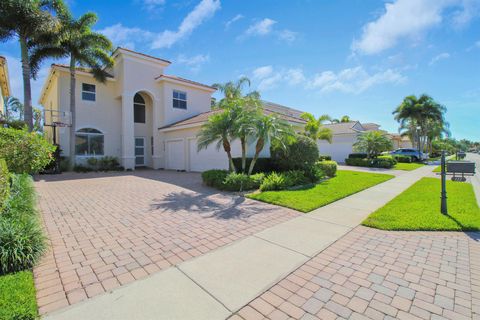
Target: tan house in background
4, 85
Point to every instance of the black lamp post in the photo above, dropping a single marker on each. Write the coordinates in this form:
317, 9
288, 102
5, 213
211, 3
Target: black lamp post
443, 206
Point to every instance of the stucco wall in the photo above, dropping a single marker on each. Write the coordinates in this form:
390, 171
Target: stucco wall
339, 149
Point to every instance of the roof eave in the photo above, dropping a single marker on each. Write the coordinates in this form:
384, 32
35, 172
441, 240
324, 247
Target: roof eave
186, 83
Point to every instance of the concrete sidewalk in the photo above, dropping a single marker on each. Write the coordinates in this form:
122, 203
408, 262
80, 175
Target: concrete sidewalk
215, 285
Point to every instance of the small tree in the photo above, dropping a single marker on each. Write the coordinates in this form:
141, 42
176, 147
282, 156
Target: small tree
314, 127
373, 143
300, 153
217, 130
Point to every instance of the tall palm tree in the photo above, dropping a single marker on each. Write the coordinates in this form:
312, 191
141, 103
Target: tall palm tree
84, 48
26, 20
269, 129
416, 116
243, 108
217, 130
341, 120
13, 109
314, 127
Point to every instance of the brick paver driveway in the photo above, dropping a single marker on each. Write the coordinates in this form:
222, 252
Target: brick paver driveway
373, 274
107, 230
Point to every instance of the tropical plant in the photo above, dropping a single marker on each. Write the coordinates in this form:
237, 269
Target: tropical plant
26, 21
299, 153
217, 130
373, 143
269, 129
341, 120
314, 127
421, 119
244, 109
84, 47
13, 109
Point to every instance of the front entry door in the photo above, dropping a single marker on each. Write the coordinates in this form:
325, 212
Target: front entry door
139, 151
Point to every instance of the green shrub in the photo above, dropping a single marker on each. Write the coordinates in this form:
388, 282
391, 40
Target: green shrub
329, 168
262, 164
64, 164
323, 157
17, 297
295, 178
24, 152
21, 237
380, 162
214, 178
314, 173
274, 181
300, 154
357, 156
4, 184
241, 181
106, 163
403, 159
82, 168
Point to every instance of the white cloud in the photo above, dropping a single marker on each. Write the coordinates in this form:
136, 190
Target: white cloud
409, 19
127, 37
287, 35
194, 62
441, 56
261, 28
233, 20
295, 76
262, 72
353, 80
151, 5
203, 11
468, 11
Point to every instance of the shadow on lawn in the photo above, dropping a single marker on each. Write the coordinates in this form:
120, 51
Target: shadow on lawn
210, 206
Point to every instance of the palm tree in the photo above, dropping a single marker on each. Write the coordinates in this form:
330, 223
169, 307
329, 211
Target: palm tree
417, 116
373, 143
84, 48
26, 20
242, 107
217, 130
341, 120
314, 127
269, 129
13, 109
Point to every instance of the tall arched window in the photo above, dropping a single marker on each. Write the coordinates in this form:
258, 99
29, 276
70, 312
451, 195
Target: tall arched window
138, 109
89, 142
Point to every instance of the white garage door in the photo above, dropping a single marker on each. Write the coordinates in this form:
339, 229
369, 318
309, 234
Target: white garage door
175, 155
206, 159
339, 151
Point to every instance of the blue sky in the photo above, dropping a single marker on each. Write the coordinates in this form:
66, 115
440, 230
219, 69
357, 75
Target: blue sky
342, 57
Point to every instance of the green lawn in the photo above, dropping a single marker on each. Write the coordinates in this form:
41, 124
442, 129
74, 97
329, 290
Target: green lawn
418, 208
344, 184
408, 166
17, 296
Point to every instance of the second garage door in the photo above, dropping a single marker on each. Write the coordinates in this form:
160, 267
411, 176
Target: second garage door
206, 159
175, 155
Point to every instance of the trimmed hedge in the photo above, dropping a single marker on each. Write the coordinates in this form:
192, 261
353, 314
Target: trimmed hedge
357, 156
262, 164
300, 154
4, 183
25, 152
329, 168
223, 180
324, 157
386, 162
403, 159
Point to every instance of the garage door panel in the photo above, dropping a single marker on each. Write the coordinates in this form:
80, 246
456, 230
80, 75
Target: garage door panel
206, 159
175, 155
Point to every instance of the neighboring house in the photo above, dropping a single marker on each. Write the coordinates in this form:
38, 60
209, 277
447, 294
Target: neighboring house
344, 135
400, 141
4, 85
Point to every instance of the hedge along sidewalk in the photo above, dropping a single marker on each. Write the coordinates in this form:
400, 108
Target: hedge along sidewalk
219, 283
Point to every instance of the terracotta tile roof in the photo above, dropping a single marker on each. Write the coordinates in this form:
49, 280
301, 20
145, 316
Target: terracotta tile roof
203, 117
184, 80
143, 54
77, 68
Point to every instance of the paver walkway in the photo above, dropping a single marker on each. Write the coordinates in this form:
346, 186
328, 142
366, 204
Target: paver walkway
109, 230
220, 282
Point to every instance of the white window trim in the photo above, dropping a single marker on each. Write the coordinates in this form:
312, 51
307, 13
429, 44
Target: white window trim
94, 92
186, 98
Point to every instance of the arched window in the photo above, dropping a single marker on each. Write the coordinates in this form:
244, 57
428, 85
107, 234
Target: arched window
138, 109
89, 142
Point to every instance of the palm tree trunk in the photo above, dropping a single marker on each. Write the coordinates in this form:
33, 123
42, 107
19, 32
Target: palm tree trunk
27, 90
72, 112
244, 153
258, 149
228, 149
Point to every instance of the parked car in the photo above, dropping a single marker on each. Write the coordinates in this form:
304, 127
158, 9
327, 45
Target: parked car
415, 154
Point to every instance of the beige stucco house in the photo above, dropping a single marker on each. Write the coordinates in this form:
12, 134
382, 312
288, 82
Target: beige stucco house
4, 85
141, 115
